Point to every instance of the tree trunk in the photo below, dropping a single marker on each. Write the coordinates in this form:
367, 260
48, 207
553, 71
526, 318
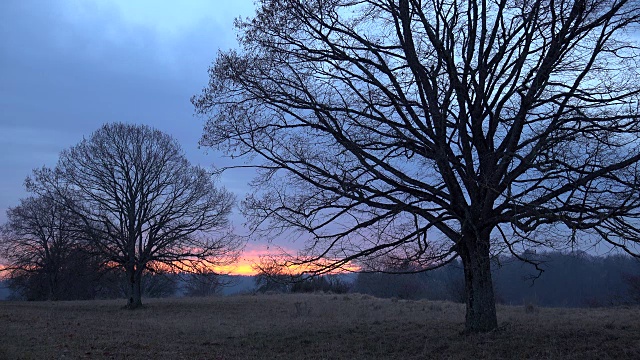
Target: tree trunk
480, 298
135, 289
51, 296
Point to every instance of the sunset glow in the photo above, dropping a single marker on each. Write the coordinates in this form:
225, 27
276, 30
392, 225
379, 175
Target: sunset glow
246, 264
243, 267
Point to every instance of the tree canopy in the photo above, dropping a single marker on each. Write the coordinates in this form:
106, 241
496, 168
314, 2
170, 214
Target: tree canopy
42, 243
431, 130
141, 203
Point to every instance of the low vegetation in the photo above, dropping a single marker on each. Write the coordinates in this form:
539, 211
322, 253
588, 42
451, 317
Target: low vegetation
308, 326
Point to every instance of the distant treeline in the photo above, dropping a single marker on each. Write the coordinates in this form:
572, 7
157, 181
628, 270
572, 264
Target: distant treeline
84, 281
561, 280
568, 280
85, 276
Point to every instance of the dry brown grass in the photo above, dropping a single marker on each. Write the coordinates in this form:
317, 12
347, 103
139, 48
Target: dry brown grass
307, 327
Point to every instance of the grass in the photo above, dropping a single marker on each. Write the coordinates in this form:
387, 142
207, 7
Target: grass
307, 327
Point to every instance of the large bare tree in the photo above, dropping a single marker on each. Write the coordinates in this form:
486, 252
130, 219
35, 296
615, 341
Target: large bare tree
429, 130
142, 203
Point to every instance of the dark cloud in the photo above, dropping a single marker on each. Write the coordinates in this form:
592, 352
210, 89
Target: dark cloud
64, 74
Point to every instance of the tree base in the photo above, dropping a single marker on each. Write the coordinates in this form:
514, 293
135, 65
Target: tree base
132, 305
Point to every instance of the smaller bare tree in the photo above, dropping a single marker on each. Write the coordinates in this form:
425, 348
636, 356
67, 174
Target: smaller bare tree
204, 282
142, 203
39, 240
272, 276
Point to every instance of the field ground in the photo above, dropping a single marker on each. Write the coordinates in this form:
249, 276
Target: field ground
307, 327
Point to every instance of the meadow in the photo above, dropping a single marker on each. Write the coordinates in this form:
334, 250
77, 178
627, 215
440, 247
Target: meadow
308, 326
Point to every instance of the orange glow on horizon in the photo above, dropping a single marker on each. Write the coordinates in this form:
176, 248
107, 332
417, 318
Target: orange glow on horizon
242, 267
246, 264
3, 274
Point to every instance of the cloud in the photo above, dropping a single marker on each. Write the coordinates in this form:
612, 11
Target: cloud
67, 67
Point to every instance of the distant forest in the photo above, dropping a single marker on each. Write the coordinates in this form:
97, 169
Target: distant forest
567, 280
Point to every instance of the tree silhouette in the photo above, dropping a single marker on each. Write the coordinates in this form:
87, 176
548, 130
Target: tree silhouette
141, 203
430, 130
42, 243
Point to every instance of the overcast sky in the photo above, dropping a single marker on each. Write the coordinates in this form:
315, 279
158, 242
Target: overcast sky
69, 66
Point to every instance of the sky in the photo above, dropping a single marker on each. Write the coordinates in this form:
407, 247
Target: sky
69, 66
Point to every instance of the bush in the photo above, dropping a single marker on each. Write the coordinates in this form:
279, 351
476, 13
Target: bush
326, 283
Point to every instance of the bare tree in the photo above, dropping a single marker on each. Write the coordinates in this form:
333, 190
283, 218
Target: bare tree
141, 203
489, 125
205, 282
155, 283
38, 240
272, 276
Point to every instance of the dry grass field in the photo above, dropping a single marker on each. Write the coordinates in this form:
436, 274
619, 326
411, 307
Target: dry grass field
307, 327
